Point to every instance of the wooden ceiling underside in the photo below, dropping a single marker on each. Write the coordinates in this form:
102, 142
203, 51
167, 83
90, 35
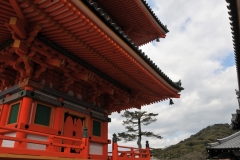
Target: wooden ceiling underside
64, 24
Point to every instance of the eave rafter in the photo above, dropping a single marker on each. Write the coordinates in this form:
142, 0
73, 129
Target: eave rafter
31, 57
158, 34
91, 26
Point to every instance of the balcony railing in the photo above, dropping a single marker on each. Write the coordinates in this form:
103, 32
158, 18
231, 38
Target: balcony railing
31, 143
41, 144
130, 153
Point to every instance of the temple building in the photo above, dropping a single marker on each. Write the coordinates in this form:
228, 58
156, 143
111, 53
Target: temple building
231, 143
65, 66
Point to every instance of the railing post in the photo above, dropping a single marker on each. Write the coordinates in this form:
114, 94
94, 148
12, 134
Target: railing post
114, 147
86, 143
50, 147
148, 150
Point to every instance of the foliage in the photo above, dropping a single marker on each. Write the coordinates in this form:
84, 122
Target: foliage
194, 147
134, 123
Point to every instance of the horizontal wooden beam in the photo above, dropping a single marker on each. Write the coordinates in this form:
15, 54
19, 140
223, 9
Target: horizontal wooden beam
17, 27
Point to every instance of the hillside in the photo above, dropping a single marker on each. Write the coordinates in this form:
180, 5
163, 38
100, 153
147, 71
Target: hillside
195, 145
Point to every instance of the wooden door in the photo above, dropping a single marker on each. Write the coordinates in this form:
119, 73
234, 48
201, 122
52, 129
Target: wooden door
78, 131
73, 128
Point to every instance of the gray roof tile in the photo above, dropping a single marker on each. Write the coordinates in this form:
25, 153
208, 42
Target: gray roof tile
229, 142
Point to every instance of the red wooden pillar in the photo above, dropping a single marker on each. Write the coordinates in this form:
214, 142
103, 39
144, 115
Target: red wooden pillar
5, 112
24, 116
114, 147
105, 137
86, 144
4, 115
57, 124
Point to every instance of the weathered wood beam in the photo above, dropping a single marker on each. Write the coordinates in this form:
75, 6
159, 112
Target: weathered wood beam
17, 9
21, 48
17, 27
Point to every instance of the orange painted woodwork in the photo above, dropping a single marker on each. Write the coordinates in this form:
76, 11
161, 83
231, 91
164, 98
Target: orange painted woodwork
57, 123
16, 25
24, 116
25, 110
58, 115
76, 62
68, 130
4, 115
77, 129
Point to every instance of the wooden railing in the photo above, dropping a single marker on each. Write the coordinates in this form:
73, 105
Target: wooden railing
54, 147
53, 144
130, 153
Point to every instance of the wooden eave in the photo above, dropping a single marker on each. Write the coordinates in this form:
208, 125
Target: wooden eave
74, 28
234, 17
136, 19
226, 144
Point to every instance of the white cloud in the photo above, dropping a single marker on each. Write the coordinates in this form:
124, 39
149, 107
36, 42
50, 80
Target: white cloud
193, 51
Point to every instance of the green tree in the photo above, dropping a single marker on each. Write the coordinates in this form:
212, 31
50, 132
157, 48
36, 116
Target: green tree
133, 124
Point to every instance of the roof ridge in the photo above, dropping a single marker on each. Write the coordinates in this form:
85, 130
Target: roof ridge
222, 140
229, 137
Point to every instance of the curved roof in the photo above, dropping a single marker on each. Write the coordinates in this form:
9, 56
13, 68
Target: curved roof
134, 17
230, 142
107, 18
73, 30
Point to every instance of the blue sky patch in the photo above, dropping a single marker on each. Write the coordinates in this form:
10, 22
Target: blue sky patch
184, 25
229, 60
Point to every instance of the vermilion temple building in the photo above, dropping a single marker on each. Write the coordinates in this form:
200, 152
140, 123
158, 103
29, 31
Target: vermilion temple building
65, 66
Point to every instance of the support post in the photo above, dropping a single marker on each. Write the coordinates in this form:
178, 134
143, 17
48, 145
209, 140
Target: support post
114, 147
5, 113
4, 116
148, 150
24, 116
57, 124
86, 143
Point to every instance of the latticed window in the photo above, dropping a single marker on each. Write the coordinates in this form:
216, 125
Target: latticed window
96, 130
42, 115
13, 113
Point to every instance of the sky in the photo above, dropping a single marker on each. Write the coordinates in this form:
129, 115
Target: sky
198, 50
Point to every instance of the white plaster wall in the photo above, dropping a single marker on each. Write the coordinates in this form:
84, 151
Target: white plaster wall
36, 146
96, 148
8, 143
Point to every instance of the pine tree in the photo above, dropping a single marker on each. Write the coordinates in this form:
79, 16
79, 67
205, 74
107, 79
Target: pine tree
134, 123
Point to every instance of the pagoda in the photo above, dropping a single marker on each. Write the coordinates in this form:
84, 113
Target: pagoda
65, 66
231, 143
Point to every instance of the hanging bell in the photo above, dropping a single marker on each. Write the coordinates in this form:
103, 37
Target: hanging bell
171, 102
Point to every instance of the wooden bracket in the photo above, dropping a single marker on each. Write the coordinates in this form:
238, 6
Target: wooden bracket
17, 27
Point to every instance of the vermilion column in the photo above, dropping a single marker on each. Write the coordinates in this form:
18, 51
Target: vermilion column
5, 112
4, 116
105, 137
24, 116
57, 123
58, 117
114, 147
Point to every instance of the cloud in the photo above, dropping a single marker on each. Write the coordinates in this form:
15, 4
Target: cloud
197, 50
